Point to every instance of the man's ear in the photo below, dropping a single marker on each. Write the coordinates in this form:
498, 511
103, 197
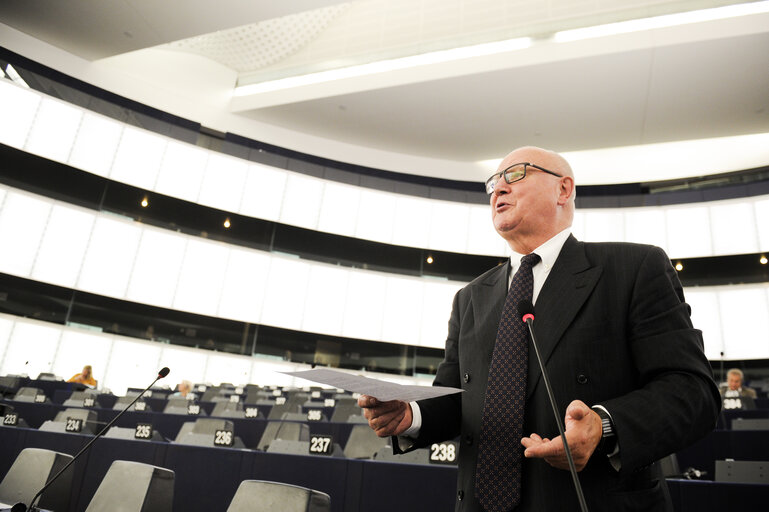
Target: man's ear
566, 191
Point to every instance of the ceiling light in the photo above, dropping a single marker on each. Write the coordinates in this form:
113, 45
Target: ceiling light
679, 266
15, 76
429, 260
763, 259
668, 20
227, 223
145, 202
383, 66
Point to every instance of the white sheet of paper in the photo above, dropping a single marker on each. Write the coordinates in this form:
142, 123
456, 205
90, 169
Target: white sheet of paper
379, 389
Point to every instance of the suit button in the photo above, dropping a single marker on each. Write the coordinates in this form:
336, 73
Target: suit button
581, 379
468, 439
467, 377
460, 495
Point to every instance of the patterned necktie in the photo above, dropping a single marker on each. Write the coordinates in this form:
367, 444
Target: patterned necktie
498, 472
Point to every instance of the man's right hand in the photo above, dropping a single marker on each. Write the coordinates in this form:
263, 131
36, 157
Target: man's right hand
386, 418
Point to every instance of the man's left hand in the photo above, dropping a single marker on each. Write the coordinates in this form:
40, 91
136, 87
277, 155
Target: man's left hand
583, 433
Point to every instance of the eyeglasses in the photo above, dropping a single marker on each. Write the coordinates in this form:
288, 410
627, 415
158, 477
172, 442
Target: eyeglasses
515, 172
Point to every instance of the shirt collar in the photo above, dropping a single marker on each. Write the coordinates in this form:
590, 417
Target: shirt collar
548, 252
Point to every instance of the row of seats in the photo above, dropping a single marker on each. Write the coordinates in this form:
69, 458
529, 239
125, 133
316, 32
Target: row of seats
135, 487
290, 437
227, 403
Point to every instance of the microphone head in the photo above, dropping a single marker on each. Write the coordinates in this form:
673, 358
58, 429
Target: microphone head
526, 310
162, 373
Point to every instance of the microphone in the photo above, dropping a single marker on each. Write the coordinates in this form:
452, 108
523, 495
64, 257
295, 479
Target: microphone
526, 312
20, 507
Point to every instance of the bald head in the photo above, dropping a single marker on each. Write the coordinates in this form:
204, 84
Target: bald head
532, 210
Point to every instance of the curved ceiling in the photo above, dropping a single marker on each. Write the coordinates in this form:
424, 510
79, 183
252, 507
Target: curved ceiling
678, 82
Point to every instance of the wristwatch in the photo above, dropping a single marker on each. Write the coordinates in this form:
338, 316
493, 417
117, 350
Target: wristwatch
608, 441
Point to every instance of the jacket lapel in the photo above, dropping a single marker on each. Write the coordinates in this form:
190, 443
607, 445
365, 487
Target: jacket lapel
488, 299
568, 285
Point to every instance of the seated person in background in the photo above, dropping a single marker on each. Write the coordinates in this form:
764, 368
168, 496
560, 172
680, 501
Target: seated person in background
734, 387
84, 377
184, 390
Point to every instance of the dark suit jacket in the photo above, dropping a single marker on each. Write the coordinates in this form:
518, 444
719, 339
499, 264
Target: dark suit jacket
614, 330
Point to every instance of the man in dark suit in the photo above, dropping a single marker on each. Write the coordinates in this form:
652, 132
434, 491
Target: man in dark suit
618, 343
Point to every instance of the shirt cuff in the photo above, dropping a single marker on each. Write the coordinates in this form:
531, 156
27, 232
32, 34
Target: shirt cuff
416, 421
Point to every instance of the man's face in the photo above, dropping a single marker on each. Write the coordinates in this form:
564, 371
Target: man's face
734, 381
526, 206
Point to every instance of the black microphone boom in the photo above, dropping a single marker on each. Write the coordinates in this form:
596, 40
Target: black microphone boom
526, 312
20, 507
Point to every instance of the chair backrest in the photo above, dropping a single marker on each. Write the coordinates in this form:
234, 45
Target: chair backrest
363, 443
287, 430
228, 410
418, 456
178, 405
262, 496
30, 472
345, 407
87, 415
211, 425
77, 397
134, 487
27, 394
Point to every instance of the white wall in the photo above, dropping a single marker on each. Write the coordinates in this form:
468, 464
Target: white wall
59, 131
77, 248
29, 347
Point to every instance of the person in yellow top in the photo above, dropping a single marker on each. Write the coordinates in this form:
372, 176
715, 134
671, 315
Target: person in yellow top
85, 377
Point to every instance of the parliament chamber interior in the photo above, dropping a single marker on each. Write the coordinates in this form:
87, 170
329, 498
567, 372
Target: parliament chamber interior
140, 231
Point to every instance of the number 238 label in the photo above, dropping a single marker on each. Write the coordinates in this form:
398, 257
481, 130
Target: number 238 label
443, 453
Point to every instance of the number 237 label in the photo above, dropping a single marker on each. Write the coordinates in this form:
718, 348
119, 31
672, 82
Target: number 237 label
321, 445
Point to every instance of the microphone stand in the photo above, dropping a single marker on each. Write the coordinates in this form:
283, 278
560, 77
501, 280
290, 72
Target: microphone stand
20, 507
529, 318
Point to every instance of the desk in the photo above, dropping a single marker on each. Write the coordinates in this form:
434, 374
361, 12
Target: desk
207, 478
705, 496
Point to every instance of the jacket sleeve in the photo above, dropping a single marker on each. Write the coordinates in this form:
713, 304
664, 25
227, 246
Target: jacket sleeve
677, 402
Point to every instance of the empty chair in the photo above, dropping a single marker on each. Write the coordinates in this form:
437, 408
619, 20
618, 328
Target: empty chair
123, 401
345, 407
202, 432
262, 496
9, 385
58, 424
28, 394
300, 448
287, 430
30, 472
669, 466
130, 434
9, 409
178, 405
210, 393
48, 376
77, 397
363, 443
418, 456
750, 424
134, 487
204, 426
228, 410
